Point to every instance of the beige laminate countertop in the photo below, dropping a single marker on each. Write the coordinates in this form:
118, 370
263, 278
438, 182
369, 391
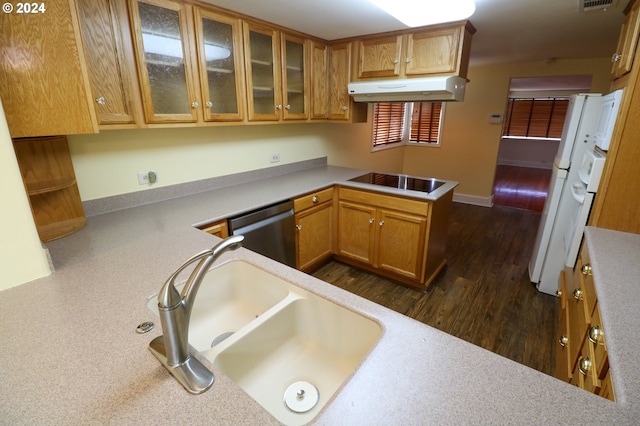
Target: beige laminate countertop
70, 353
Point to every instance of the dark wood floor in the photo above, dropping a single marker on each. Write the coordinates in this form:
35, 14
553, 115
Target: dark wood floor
521, 187
483, 295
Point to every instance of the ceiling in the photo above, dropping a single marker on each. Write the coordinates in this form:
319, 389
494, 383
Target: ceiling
507, 30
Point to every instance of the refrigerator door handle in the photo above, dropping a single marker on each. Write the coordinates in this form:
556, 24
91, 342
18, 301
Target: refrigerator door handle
578, 192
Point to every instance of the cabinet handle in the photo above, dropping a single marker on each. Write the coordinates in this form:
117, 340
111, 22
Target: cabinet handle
315, 199
558, 293
101, 100
287, 107
299, 227
564, 340
344, 108
407, 60
194, 105
381, 223
616, 57
209, 104
584, 364
595, 333
371, 220
279, 107
577, 294
396, 60
586, 269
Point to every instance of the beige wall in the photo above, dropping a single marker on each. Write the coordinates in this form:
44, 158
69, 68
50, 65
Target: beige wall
470, 144
23, 257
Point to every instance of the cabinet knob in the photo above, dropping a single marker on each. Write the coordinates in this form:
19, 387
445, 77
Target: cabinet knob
586, 269
584, 364
315, 199
595, 333
564, 340
396, 60
209, 104
287, 107
344, 108
558, 293
279, 107
299, 227
195, 104
371, 220
381, 223
101, 100
577, 294
407, 60
616, 57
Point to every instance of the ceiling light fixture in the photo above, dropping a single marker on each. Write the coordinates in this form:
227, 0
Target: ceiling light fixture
416, 13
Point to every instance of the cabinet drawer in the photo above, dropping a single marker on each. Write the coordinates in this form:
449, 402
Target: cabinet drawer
406, 205
587, 367
312, 199
563, 342
606, 390
596, 335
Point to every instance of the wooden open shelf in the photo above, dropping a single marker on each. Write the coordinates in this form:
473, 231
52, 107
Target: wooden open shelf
50, 182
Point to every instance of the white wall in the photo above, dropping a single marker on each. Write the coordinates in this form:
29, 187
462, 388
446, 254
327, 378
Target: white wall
527, 152
23, 257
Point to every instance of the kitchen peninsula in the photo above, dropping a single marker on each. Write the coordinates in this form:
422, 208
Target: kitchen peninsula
71, 355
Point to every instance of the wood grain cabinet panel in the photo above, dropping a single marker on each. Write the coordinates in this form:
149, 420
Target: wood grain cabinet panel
319, 77
106, 37
315, 229
435, 50
45, 86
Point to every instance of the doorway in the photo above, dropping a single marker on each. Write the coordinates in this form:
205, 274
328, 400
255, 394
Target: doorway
525, 159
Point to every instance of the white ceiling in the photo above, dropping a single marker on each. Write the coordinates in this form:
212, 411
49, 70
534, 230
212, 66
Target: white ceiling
507, 30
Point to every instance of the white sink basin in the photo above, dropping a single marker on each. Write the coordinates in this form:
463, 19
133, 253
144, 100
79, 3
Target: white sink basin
230, 297
267, 334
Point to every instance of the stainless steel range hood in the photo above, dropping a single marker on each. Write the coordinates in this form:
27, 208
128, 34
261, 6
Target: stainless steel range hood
448, 88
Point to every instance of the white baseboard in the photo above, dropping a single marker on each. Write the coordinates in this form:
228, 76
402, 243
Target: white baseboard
472, 199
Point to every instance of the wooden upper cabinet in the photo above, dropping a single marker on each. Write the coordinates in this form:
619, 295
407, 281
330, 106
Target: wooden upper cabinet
161, 39
339, 75
277, 75
319, 78
437, 50
110, 59
45, 86
627, 42
433, 52
264, 94
220, 60
379, 57
294, 77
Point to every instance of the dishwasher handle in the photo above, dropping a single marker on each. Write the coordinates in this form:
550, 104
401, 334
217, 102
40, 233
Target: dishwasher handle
261, 223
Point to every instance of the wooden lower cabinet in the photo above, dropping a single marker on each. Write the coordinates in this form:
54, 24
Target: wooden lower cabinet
314, 221
581, 354
401, 238
219, 229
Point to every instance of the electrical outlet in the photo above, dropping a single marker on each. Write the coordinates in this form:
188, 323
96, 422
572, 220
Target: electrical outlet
275, 157
147, 178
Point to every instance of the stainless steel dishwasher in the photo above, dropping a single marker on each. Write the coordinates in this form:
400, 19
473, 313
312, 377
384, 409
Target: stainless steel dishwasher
269, 231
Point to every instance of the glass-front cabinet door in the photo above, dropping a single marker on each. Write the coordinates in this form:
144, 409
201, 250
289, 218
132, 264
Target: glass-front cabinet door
263, 81
219, 41
294, 77
164, 67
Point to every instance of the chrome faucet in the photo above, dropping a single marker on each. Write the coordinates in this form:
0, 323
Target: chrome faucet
172, 348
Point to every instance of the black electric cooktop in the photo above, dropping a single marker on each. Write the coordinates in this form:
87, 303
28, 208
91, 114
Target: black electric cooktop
400, 182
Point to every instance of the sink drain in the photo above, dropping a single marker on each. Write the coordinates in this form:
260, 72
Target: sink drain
221, 337
301, 397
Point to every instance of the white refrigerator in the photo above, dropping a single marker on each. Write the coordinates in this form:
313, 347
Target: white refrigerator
560, 212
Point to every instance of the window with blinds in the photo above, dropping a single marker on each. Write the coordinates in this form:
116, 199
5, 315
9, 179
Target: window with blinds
388, 123
535, 117
412, 122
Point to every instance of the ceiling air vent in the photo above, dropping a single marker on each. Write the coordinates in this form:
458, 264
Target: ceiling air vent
589, 5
